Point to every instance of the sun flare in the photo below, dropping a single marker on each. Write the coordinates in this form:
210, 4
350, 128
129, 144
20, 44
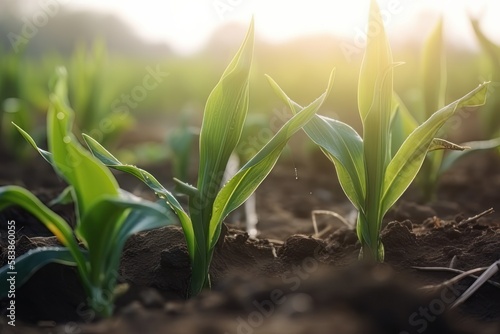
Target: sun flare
187, 24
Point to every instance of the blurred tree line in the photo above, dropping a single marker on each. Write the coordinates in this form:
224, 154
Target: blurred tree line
300, 66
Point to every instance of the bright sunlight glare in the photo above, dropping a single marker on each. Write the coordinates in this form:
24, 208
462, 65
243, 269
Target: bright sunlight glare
187, 24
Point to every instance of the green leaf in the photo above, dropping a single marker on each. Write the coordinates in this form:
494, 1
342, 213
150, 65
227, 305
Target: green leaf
87, 175
106, 216
185, 188
14, 195
377, 59
344, 147
145, 215
109, 160
110, 222
375, 99
46, 155
30, 262
408, 160
249, 177
223, 119
340, 143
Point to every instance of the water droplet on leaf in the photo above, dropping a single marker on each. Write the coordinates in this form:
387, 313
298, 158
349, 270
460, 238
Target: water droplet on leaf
60, 115
67, 139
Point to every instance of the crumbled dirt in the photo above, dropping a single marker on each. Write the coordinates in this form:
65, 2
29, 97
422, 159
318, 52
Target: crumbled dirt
288, 281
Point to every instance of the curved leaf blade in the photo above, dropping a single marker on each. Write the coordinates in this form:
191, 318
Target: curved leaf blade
85, 173
123, 217
249, 177
344, 147
15, 195
45, 154
377, 59
223, 120
109, 160
340, 143
406, 163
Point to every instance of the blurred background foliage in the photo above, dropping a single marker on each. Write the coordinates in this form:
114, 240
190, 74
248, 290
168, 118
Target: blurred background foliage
105, 60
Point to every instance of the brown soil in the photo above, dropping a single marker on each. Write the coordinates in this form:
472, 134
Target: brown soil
286, 281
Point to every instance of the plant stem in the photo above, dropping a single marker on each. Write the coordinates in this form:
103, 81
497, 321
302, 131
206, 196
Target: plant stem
372, 249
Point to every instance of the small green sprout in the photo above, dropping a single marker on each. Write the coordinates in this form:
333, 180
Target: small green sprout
210, 201
106, 215
370, 175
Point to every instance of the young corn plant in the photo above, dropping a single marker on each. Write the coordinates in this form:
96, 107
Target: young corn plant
209, 200
90, 95
106, 215
370, 175
433, 88
491, 119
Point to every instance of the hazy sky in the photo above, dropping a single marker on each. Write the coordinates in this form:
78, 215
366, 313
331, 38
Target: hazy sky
186, 24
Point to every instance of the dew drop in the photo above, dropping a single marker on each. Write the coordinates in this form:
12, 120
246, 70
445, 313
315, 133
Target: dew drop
60, 115
296, 174
67, 139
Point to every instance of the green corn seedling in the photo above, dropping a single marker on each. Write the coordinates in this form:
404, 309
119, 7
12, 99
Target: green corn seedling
370, 175
89, 94
433, 87
223, 120
106, 215
491, 119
